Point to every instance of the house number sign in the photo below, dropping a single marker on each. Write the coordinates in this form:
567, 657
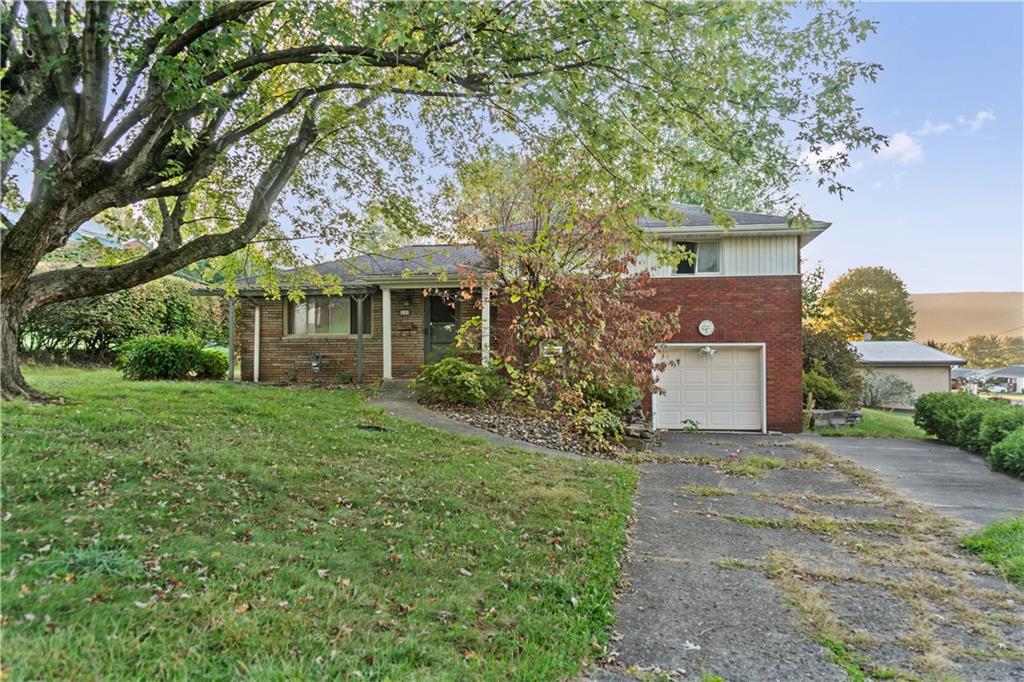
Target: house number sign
706, 328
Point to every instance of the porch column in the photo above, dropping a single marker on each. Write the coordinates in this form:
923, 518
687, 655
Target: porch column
386, 311
231, 339
485, 323
256, 345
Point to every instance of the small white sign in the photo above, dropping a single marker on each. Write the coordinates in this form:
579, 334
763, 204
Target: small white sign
706, 327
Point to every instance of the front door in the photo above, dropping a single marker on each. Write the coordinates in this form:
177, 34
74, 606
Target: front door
441, 326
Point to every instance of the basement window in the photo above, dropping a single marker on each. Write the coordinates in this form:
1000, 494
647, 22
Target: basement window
328, 316
706, 260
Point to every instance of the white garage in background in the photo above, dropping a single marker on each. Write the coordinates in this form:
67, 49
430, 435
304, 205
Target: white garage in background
721, 387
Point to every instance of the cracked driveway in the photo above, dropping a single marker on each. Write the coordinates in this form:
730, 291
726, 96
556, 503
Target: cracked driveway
783, 562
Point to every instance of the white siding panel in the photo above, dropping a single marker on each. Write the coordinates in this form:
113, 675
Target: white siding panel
760, 255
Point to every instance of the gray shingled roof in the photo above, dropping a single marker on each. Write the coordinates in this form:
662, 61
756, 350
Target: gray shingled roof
425, 260
902, 353
1011, 372
695, 216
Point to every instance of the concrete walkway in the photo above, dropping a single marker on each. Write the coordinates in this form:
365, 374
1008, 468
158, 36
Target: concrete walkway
955, 482
398, 400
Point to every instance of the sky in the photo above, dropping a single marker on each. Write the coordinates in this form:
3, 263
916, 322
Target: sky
943, 205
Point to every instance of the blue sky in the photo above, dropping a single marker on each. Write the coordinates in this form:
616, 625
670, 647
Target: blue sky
943, 206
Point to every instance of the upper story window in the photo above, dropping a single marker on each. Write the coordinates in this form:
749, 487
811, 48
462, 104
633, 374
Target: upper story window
705, 261
327, 315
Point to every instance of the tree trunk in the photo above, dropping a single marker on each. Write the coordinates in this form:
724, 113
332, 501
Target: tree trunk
12, 383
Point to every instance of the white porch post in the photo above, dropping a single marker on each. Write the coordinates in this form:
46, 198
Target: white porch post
485, 323
256, 345
386, 311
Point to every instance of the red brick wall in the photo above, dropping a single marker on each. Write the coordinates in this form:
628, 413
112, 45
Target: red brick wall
281, 355
747, 310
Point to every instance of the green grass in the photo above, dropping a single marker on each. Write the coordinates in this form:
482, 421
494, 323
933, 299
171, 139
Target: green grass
210, 531
1002, 544
880, 424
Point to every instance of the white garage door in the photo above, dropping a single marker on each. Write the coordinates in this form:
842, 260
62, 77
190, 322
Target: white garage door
720, 391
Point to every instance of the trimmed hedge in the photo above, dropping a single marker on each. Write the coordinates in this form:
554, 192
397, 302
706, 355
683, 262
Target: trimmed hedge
147, 358
974, 424
1008, 454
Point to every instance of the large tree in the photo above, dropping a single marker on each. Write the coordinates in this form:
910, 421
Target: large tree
869, 300
229, 124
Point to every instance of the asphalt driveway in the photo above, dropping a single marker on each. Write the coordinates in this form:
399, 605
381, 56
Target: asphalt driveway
756, 558
947, 478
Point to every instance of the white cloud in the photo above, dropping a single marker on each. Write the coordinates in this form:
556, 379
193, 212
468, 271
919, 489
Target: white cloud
902, 149
812, 159
930, 128
979, 120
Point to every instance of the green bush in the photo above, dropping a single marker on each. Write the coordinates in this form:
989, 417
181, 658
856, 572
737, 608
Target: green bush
597, 425
617, 399
1008, 454
939, 413
159, 357
211, 364
100, 325
968, 426
455, 381
828, 394
997, 424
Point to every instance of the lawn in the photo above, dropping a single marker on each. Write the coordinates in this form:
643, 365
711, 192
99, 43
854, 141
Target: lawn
211, 530
1002, 544
880, 424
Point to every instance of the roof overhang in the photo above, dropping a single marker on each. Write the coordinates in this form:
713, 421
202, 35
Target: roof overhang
806, 235
911, 363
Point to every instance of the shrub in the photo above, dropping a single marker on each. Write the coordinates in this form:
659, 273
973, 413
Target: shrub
597, 425
618, 400
211, 364
998, 423
881, 388
453, 380
159, 357
100, 325
827, 352
968, 426
828, 394
1008, 454
939, 413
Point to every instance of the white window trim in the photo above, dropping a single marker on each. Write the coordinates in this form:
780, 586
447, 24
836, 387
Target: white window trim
762, 346
677, 241
287, 319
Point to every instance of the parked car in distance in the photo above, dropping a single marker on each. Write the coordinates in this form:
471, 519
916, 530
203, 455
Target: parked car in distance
995, 388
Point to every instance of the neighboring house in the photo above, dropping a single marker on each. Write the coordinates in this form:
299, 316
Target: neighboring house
1011, 378
737, 353
927, 369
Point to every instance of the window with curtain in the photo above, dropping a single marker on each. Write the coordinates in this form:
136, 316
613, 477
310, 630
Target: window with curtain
706, 260
327, 315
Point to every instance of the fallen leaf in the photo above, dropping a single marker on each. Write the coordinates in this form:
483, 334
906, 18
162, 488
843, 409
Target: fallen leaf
242, 608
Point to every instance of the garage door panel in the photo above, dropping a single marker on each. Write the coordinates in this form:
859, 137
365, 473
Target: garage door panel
721, 391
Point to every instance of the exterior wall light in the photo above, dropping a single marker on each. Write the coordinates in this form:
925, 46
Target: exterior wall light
707, 352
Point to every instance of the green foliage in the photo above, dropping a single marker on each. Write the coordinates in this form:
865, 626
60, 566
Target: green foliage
939, 413
988, 351
870, 300
812, 282
100, 325
618, 400
1008, 454
828, 395
828, 353
879, 424
146, 358
265, 514
1002, 543
599, 426
458, 382
972, 423
211, 364
884, 389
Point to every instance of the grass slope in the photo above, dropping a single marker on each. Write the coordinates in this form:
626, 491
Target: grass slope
1002, 545
209, 530
880, 424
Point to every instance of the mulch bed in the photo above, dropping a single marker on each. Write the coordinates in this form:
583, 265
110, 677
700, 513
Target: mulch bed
504, 421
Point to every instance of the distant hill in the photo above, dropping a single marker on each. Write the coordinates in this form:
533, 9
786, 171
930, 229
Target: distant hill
957, 315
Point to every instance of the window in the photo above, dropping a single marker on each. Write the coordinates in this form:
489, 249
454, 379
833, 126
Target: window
706, 259
327, 315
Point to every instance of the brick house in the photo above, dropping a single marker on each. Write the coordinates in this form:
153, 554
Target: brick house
735, 361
